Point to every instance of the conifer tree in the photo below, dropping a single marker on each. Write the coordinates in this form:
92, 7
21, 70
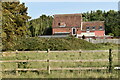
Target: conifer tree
14, 20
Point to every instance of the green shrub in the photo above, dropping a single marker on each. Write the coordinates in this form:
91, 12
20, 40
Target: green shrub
36, 43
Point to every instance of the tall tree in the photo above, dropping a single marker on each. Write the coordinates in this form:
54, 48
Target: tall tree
40, 26
14, 18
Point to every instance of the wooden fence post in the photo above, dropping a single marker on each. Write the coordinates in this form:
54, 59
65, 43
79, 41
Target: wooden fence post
110, 60
48, 67
48, 50
16, 63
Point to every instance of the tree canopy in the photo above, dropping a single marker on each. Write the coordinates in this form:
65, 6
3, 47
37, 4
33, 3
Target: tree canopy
15, 23
111, 18
40, 26
14, 18
43, 24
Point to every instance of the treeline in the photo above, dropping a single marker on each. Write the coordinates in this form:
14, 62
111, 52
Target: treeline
111, 18
17, 30
43, 24
40, 26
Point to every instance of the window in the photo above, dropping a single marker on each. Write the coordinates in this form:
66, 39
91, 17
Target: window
93, 28
58, 24
73, 31
100, 28
88, 28
62, 24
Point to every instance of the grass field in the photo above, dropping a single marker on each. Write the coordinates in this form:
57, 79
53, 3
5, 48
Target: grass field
60, 73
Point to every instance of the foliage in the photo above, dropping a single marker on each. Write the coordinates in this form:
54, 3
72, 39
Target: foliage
111, 18
111, 34
14, 26
36, 43
43, 25
83, 37
40, 26
14, 18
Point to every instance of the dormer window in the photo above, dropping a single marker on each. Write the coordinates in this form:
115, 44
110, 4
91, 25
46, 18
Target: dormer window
100, 27
93, 28
88, 28
62, 24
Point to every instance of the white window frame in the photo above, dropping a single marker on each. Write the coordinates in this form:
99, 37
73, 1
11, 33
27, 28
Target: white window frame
72, 31
87, 29
94, 28
100, 28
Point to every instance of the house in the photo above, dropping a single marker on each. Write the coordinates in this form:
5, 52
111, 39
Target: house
72, 24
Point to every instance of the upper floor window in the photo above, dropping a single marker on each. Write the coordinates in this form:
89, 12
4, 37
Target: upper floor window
100, 27
93, 28
62, 24
87, 28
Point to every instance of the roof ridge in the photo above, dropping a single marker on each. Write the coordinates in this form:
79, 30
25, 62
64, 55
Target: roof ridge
94, 21
68, 14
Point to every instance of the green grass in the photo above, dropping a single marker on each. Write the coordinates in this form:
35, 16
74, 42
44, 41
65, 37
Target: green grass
106, 46
62, 73
61, 56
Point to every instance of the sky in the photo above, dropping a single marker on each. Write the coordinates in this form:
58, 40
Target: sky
69, 0
36, 9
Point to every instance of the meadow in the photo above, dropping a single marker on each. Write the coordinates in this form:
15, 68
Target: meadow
60, 73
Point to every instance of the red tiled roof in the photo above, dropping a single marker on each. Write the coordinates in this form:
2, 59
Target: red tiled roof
70, 20
95, 24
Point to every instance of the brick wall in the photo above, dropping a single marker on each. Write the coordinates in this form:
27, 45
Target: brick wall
99, 33
64, 29
61, 30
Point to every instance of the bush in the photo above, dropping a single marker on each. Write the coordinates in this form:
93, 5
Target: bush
36, 43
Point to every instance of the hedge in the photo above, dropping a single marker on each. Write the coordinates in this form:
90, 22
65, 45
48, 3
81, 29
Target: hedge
36, 43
